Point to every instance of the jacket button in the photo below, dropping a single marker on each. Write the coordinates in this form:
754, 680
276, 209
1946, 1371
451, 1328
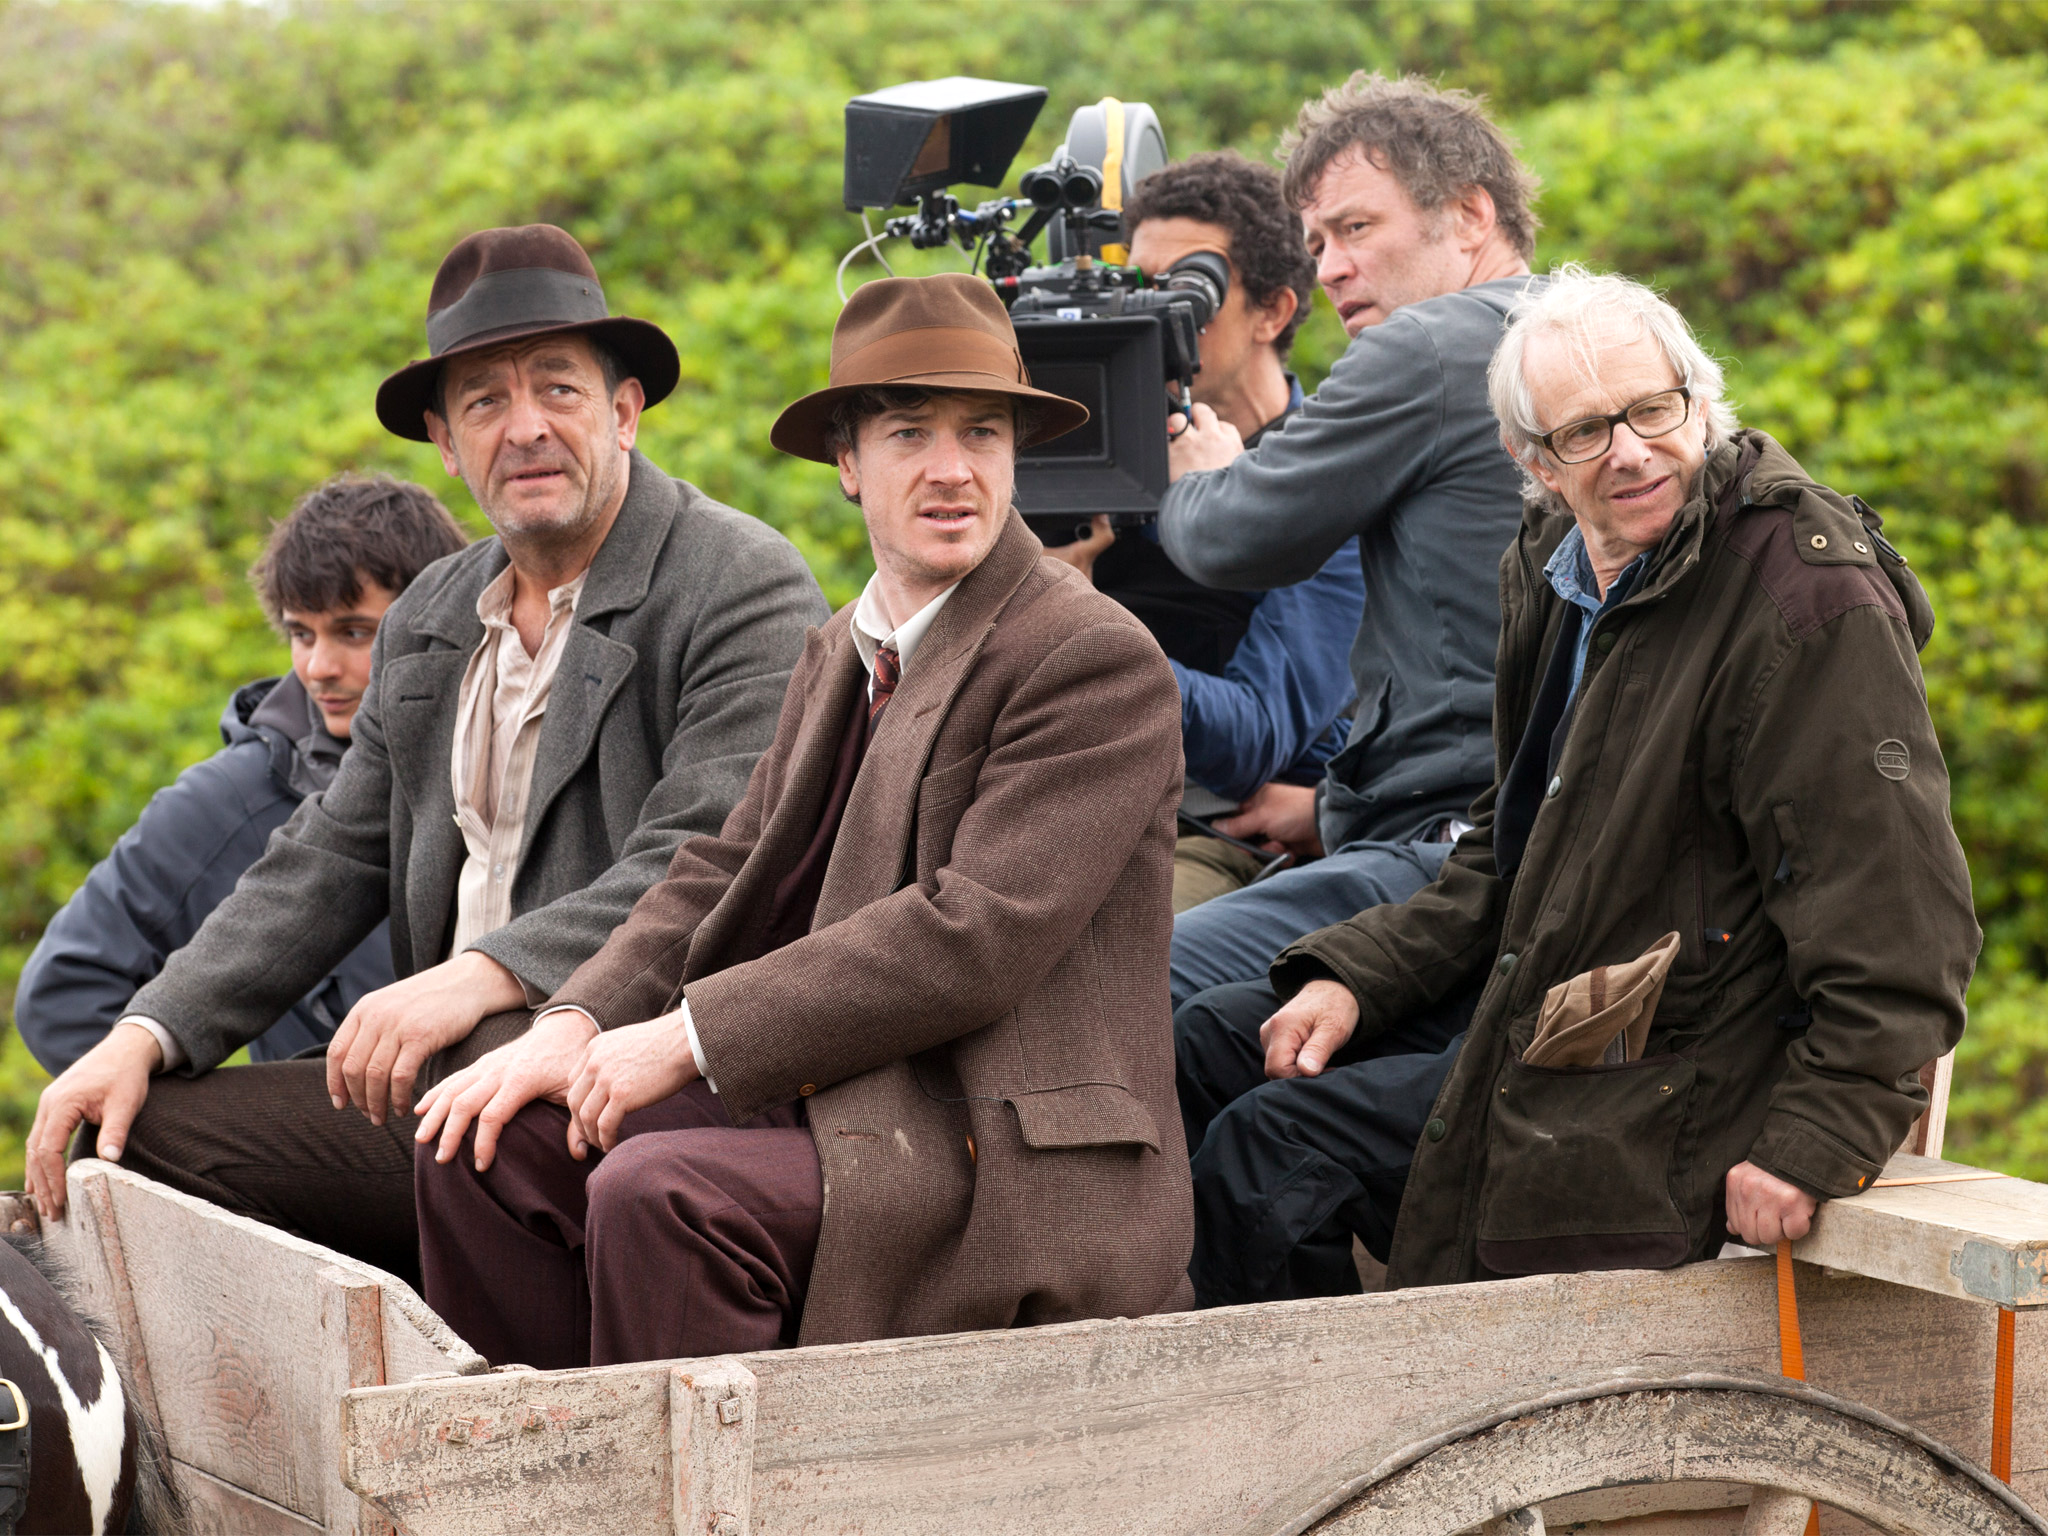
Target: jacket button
1604, 641
1819, 541
970, 1151
808, 1089
1555, 785
1505, 964
1862, 548
1435, 1130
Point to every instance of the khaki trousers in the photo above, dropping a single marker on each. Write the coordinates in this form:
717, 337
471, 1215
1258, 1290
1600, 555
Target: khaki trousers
1207, 867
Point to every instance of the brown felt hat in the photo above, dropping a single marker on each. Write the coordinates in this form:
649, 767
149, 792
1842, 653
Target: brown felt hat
501, 285
944, 332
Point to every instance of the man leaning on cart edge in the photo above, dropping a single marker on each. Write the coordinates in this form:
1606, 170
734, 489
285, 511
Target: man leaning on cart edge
923, 968
551, 712
1716, 780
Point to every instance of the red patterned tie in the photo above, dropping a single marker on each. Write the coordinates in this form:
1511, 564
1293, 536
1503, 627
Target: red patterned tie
888, 671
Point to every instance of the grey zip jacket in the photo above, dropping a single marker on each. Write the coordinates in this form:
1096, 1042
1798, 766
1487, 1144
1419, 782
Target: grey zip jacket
1400, 449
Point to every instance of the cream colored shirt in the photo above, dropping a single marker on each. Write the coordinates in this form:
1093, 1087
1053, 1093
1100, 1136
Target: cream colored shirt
497, 732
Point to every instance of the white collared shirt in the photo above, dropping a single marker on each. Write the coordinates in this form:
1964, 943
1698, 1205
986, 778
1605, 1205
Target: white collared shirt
872, 630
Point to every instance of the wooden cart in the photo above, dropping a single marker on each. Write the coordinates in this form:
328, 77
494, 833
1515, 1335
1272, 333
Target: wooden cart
301, 1391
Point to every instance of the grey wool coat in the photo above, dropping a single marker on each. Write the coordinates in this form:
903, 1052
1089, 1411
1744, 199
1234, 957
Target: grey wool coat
689, 621
978, 1017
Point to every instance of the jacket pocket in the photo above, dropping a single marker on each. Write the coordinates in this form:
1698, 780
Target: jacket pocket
1085, 1115
942, 799
950, 782
1578, 1168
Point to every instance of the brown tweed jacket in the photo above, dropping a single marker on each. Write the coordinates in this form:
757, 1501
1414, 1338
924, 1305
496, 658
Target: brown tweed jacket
978, 1017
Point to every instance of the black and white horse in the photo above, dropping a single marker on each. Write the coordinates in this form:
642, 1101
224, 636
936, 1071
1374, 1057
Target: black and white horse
94, 1464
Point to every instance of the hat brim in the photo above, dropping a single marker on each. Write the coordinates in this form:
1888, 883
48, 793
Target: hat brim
804, 430
643, 349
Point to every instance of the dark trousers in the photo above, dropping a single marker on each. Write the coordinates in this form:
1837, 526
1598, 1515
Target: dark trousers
1286, 1171
690, 1237
266, 1142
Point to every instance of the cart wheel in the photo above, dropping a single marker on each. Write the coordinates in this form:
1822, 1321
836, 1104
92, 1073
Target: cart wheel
1787, 1441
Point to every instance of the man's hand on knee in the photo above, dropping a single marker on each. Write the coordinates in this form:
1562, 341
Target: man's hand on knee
376, 1055
540, 1064
1763, 1210
107, 1085
1302, 1037
624, 1070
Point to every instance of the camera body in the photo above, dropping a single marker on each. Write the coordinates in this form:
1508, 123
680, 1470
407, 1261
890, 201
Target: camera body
1089, 327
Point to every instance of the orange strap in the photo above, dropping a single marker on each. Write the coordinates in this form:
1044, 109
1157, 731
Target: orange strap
2001, 1400
1791, 1351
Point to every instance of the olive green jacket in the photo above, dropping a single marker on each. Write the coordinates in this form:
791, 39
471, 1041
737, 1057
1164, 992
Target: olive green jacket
1750, 763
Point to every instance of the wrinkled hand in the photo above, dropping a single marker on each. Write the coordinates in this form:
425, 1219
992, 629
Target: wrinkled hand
1083, 553
627, 1069
107, 1086
1206, 442
1764, 1210
376, 1055
540, 1064
1280, 818
1302, 1037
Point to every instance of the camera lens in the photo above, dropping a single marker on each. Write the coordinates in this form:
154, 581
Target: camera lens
1043, 186
1203, 276
1083, 187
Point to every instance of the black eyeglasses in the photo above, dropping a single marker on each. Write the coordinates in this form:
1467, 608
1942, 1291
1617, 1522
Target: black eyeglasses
1654, 415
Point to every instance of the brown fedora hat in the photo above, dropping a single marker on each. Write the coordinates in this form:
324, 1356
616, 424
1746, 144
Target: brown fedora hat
501, 285
948, 332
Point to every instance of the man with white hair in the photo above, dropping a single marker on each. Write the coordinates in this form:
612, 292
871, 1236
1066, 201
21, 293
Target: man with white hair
1713, 907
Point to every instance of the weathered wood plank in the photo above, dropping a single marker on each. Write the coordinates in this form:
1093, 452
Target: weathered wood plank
1775, 1513
1925, 1137
558, 1451
1698, 1522
352, 1351
1195, 1423
1986, 1239
1625, 1503
243, 1337
711, 1409
221, 1509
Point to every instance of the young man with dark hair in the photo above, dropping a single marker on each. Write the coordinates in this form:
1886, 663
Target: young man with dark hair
330, 570
923, 966
1263, 676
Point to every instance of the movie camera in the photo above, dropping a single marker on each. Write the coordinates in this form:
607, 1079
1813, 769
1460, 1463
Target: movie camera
1091, 327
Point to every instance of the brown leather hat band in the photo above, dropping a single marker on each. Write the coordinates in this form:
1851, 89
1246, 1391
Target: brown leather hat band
927, 350
520, 296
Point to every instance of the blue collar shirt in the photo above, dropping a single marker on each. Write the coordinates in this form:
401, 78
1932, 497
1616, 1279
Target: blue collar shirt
1570, 572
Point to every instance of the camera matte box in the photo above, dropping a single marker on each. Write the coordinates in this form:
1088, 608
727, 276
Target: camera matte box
931, 134
1116, 463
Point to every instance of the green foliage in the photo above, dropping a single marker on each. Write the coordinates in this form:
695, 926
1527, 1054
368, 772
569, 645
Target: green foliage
222, 221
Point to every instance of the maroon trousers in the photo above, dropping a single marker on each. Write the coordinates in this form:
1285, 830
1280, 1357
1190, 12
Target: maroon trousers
690, 1237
